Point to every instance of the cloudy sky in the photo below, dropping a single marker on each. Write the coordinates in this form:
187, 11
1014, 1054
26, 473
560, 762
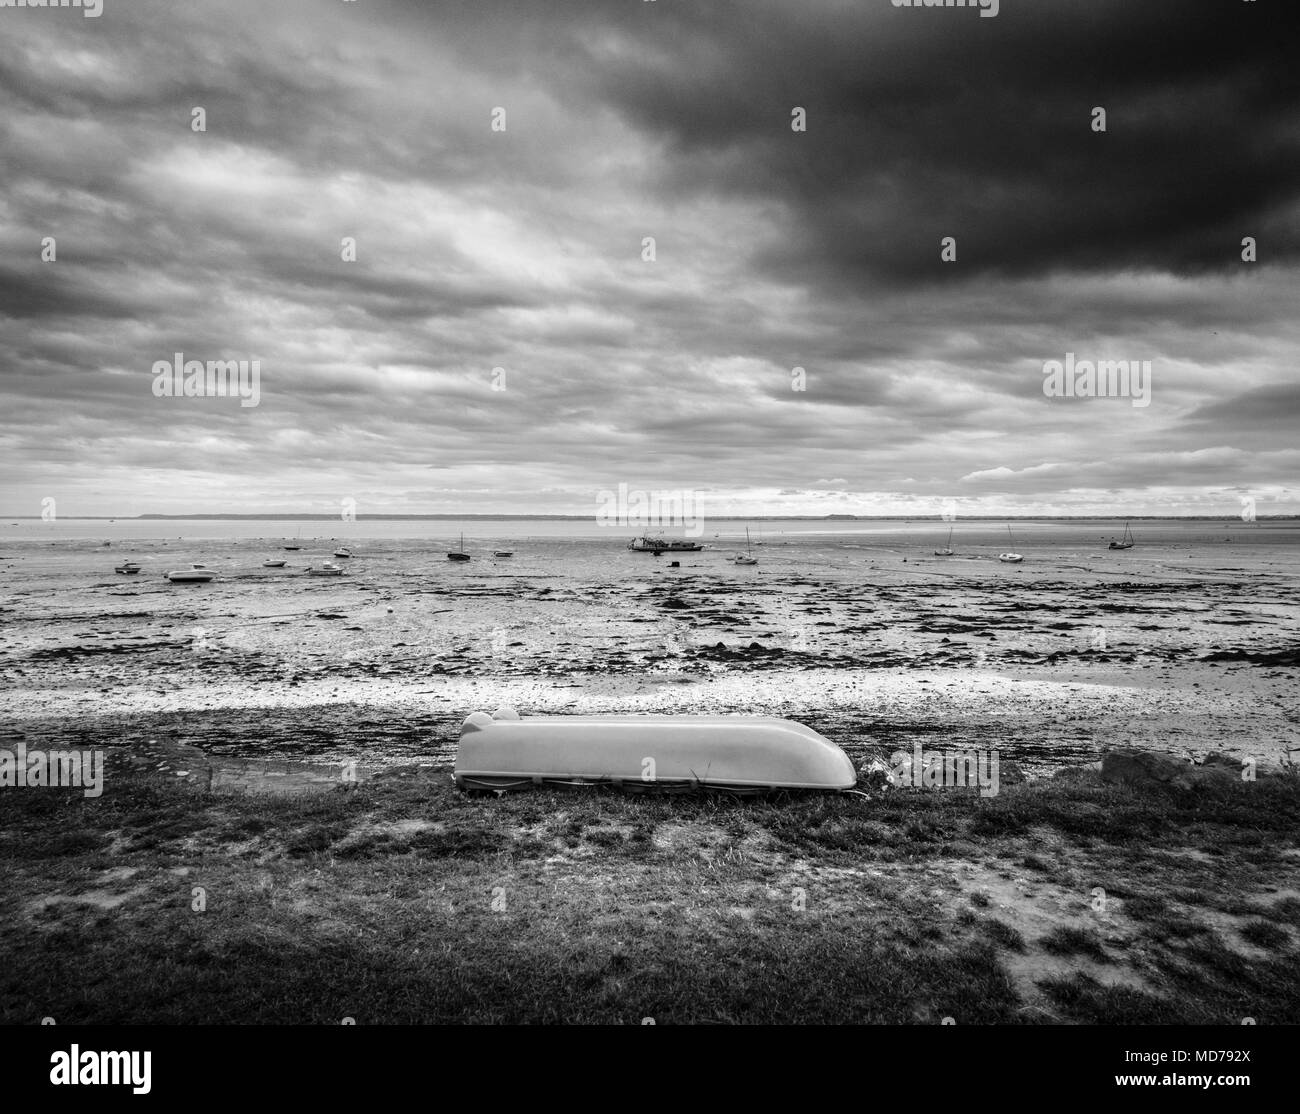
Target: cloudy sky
522, 249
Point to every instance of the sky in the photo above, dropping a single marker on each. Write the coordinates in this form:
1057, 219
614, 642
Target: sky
506, 340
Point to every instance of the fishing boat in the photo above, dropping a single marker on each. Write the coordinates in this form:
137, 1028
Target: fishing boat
646, 544
272, 564
326, 569
751, 754
195, 574
947, 550
1010, 557
130, 568
503, 553
459, 554
1126, 543
746, 558
343, 551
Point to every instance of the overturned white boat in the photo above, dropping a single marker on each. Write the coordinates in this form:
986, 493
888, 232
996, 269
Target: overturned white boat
752, 754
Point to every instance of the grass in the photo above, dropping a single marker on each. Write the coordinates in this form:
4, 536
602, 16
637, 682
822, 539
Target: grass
1265, 934
1066, 940
404, 900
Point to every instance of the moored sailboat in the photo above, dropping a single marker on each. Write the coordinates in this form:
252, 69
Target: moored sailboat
748, 557
1010, 557
459, 554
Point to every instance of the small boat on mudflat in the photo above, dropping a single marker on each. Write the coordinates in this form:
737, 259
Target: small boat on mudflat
746, 558
328, 568
343, 551
1126, 543
272, 564
646, 544
130, 568
195, 574
459, 554
748, 754
503, 553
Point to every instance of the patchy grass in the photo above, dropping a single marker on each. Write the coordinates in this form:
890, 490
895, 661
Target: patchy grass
1264, 934
404, 900
1004, 935
1074, 941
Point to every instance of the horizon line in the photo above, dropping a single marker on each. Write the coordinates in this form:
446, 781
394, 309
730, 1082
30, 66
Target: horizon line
334, 517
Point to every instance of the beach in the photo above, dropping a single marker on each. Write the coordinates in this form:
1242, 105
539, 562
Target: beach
1186, 644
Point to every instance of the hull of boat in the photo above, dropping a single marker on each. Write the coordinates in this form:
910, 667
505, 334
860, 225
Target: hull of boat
1121, 545
191, 577
1010, 558
743, 753
457, 556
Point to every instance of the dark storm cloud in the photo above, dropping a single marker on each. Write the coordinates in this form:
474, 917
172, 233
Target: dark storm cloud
522, 250
1264, 415
927, 123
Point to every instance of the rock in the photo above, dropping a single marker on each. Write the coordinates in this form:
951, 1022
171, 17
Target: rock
1143, 770
874, 773
1133, 767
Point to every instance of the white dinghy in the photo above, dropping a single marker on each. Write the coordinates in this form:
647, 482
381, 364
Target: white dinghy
195, 574
751, 754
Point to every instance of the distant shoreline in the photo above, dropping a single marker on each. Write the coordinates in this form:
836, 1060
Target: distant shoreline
334, 517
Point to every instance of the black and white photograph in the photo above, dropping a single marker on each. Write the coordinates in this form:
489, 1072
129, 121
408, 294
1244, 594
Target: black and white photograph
657, 513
